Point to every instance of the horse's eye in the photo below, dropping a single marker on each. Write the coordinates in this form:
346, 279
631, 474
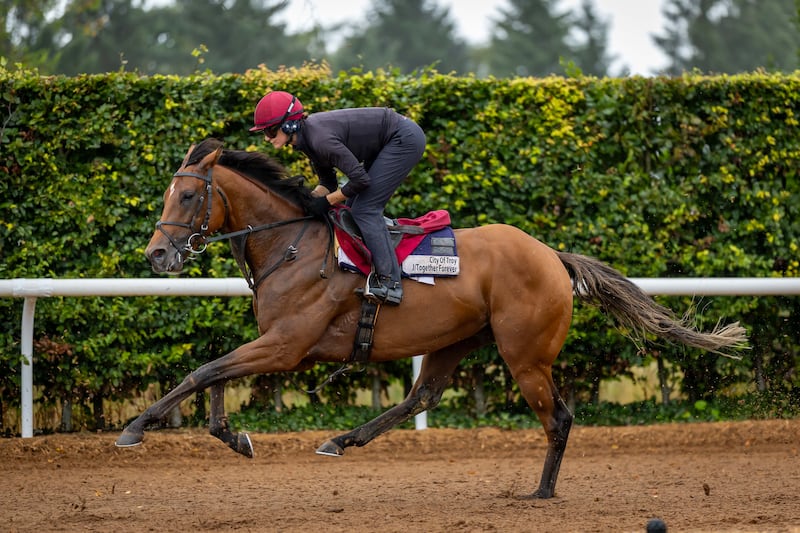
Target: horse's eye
187, 196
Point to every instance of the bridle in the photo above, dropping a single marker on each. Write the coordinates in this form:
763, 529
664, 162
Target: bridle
199, 239
198, 236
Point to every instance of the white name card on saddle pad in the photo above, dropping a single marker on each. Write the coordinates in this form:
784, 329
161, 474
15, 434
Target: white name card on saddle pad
441, 261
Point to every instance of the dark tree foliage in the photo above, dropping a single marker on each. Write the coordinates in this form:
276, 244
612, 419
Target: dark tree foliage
241, 34
591, 53
21, 22
174, 39
730, 36
183, 36
103, 37
529, 39
407, 35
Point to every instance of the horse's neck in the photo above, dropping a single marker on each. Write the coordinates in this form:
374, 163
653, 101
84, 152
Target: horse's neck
253, 206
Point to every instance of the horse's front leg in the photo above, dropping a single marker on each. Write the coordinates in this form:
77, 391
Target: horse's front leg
218, 424
196, 381
254, 357
437, 368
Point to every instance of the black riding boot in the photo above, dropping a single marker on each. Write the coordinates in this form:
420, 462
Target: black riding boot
383, 289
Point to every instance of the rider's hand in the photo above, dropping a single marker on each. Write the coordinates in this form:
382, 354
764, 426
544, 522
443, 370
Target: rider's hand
319, 207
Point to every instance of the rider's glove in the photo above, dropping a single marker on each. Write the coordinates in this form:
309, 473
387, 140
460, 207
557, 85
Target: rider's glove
319, 207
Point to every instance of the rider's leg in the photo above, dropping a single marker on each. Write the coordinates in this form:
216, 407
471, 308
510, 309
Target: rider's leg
387, 172
384, 282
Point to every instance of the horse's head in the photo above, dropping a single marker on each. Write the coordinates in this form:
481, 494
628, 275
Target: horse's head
191, 212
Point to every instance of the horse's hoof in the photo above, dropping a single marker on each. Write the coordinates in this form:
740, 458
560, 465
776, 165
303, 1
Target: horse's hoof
244, 445
537, 495
127, 439
331, 449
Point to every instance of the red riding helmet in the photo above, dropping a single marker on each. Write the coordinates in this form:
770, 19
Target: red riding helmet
276, 107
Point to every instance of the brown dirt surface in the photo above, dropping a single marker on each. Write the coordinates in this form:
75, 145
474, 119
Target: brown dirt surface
741, 476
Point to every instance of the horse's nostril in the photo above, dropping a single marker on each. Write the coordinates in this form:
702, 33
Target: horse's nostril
158, 253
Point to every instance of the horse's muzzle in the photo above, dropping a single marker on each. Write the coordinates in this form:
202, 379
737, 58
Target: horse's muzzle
164, 260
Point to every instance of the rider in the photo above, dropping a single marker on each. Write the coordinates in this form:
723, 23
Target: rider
374, 147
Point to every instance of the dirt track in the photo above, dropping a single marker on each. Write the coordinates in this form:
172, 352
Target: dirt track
741, 476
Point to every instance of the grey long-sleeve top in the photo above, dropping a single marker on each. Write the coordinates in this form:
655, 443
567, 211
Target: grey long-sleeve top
348, 140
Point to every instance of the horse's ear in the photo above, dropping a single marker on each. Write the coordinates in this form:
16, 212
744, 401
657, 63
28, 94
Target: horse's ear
211, 159
186, 157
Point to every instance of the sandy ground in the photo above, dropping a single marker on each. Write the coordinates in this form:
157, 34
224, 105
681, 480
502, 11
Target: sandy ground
742, 476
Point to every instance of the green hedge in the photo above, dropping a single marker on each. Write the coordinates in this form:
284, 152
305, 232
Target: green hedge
660, 177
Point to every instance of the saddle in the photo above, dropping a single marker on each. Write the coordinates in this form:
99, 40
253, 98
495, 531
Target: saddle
425, 246
343, 221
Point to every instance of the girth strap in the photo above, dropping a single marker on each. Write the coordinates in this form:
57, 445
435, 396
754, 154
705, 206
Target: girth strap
362, 346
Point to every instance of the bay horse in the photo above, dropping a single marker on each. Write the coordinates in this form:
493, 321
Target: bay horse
512, 290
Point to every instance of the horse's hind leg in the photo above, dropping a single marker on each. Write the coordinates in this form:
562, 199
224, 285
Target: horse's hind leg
536, 385
425, 394
218, 424
437, 368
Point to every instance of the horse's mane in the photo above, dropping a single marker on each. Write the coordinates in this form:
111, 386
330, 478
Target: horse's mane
258, 167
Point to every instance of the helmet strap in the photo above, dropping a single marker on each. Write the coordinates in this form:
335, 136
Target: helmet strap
288, 110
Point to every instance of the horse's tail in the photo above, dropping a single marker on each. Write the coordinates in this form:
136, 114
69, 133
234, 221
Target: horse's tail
597, 283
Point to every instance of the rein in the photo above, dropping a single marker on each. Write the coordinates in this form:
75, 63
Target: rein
289, 255
201, 239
